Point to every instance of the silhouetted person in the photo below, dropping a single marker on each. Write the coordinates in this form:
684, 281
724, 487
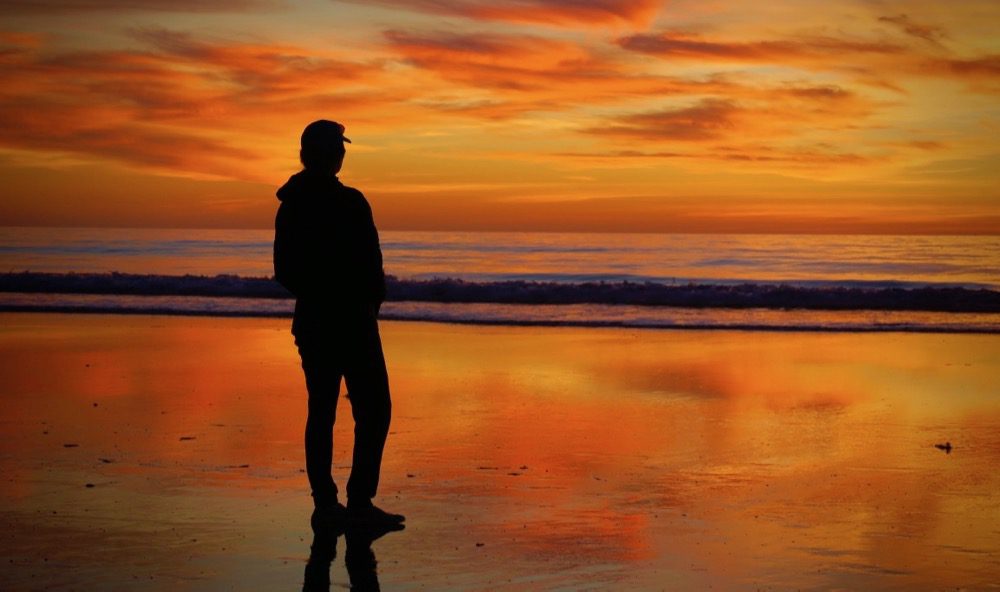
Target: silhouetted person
326, 253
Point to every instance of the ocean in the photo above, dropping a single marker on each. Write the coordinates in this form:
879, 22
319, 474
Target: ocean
775, 282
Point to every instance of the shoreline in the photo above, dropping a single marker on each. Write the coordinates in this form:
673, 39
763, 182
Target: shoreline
800, 327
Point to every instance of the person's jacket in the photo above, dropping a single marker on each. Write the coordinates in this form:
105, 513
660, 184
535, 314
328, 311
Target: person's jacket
326, 252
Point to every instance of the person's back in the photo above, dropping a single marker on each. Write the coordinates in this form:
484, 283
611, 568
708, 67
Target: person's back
326, 253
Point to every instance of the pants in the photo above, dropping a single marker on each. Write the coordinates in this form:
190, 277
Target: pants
351, 350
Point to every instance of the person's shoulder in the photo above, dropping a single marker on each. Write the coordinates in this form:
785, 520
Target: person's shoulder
293, 189
355, 196
352, 192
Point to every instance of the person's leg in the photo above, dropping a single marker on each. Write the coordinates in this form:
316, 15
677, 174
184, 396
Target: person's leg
368, 391
322, 375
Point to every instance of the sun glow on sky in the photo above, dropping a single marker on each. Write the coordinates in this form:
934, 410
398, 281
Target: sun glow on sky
609, 115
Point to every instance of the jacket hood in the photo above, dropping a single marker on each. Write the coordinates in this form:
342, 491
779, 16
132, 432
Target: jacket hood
305, 183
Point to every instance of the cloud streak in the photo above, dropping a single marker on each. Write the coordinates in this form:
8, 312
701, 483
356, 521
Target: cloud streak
548, 12
802, 50
180, 104
875, 61
523, 63
184, 6
710, 119
929, 33
527, 73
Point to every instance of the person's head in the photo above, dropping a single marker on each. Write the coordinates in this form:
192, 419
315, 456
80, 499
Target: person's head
323, 146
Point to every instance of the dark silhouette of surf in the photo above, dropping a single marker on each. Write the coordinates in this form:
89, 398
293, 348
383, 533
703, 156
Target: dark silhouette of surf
842, 296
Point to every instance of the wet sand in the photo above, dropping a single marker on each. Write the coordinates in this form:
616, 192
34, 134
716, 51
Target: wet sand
164, 453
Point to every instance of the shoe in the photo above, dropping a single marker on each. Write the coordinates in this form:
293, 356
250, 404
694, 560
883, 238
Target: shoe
332, 517
370, 514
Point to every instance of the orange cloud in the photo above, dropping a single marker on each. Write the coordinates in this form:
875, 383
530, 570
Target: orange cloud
177, 105
527, 73
60, 6
690, 46
874, 62
19, 39
801, 105
255, 73
552, 12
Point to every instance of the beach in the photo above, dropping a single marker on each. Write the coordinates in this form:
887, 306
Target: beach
673, 295
165, 452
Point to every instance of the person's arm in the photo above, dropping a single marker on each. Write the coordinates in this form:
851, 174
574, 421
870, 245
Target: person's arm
376, 273
287, 255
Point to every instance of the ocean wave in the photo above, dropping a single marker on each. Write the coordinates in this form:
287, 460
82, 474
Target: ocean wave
830, 296
825, 296
480, 247
180, 247
546, 315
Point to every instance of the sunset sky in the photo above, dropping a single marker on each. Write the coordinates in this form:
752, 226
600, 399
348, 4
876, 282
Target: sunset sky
795, 116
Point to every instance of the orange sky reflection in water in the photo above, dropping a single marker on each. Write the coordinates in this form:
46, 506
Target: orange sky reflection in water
747, 455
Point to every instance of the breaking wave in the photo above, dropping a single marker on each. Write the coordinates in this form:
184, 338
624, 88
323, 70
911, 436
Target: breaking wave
815, 306
828, 296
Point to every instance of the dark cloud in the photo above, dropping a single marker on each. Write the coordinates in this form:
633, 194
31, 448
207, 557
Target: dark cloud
743, 117
811, 156
681, 45
709, 119
551, 12
925, 145
985, 66
980, 74
820, 92
928, 33
796, 157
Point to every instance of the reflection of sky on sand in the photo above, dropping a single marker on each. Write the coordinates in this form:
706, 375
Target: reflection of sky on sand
522, 457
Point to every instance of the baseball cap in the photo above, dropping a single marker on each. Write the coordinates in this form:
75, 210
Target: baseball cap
323, 133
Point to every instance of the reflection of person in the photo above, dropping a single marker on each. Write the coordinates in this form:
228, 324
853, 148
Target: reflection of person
359, 559
326, 253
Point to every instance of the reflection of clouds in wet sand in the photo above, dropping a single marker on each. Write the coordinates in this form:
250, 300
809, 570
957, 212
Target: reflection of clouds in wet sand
730, 449
523, 457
